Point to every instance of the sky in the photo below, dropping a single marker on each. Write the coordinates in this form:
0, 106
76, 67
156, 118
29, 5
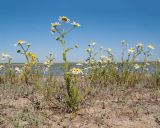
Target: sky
105, 22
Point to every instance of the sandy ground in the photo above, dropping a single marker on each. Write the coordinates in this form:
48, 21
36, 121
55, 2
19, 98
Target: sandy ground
111, 107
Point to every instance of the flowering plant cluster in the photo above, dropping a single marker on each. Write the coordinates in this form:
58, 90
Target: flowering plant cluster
99, 68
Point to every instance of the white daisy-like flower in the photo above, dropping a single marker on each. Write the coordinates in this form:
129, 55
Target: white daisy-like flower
64, 19
20, 42
1, 67
147, 64
18, 70
103, 57
116, 68
76, 46
48, 63
53, 30
89, 50
105, 61
136, 66
76, 71
75, 24
93, 44
100, 61
151, 47
55, 24
6, 56
130, 50
109, 59
109, 49
45, 63
140, 45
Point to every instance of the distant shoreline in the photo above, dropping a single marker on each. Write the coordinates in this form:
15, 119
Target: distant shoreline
71, 63
37, 63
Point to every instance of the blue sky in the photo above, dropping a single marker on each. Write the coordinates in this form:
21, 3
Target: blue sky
106, 22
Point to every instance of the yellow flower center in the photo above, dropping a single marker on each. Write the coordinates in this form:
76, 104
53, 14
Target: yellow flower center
65, 19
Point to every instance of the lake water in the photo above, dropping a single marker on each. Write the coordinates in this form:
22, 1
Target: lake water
58, 69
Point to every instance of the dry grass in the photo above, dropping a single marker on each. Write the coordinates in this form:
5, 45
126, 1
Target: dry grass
107, 107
